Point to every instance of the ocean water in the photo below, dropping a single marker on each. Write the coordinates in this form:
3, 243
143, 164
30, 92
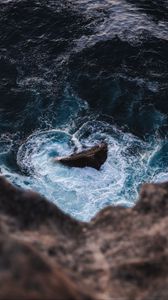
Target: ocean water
74, 74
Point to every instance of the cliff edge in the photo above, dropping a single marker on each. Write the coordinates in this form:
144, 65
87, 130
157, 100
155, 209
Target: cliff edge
121, 254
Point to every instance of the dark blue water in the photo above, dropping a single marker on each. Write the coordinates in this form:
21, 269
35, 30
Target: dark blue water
76, 73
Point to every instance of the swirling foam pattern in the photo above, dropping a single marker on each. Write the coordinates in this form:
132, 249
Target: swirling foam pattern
83, 192
74, 74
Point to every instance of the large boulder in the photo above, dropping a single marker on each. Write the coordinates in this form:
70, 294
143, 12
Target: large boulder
94, 158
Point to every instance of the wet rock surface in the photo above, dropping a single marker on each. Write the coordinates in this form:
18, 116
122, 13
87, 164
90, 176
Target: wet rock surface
121, 254
94, 157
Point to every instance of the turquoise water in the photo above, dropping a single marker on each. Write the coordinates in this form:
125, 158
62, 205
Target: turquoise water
77, 73
83, 192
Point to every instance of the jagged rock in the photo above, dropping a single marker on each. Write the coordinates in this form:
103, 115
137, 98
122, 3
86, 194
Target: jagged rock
45, 254
94, 158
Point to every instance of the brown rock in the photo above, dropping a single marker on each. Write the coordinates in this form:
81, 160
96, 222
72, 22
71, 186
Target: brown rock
26, 274
94, 158
121, 254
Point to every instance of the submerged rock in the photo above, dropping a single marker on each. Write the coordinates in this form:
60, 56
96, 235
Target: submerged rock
94, 158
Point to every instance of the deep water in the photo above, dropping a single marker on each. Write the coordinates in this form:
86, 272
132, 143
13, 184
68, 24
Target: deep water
76, 73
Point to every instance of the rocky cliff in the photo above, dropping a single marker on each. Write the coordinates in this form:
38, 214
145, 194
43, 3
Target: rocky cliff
121, 254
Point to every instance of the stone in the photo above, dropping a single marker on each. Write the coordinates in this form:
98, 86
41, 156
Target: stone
122, 253
94, 158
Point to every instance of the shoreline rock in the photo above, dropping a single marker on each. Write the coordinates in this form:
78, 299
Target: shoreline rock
94, 157
45, 254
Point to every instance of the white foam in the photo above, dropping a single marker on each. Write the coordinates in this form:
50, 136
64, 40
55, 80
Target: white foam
83, 192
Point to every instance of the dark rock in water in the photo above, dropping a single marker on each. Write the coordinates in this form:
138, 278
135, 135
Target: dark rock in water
45, 254
94, 158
